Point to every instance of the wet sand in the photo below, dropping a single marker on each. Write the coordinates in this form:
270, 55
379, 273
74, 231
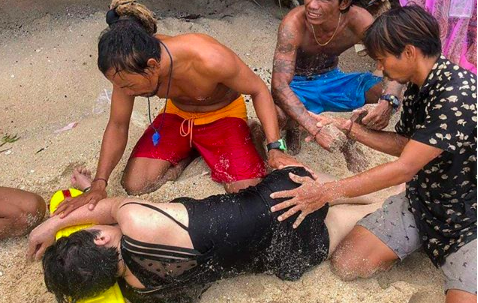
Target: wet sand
50, 79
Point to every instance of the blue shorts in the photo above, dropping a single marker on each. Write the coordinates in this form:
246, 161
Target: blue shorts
333, 91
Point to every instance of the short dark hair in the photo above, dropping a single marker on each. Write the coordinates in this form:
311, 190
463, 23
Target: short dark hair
396, 28
76, 268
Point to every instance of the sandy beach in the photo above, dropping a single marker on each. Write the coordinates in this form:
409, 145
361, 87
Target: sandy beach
49, 80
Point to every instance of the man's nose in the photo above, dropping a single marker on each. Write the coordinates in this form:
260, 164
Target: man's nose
313, 4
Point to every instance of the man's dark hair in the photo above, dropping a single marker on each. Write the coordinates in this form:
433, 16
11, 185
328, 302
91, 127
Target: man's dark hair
76, 268
394, 29
129, 42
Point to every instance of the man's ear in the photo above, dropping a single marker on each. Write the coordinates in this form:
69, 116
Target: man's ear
152, 63
410, 52
102, 239
345, 5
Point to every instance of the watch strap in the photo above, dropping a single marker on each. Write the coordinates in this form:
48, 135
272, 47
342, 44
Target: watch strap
279, 144
392, 100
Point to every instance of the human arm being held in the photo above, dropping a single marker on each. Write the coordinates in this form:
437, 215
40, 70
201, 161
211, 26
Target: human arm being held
43, 235
383, 141
285, 55
377, 116
312, 195
112, 148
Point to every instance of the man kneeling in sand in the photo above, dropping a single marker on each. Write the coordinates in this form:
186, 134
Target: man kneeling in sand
205, 111
173, 251
435, 142
306, 79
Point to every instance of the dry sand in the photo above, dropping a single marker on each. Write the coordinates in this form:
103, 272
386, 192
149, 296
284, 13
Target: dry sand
49, 79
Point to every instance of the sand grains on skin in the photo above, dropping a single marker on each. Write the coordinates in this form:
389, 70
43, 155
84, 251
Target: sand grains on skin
61, 83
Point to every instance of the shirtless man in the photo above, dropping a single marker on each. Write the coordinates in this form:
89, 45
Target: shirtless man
203, 81
306, 79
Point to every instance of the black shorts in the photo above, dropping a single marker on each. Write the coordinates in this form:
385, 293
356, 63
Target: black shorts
294, 251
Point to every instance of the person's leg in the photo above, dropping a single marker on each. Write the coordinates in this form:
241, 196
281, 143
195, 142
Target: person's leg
341, 219
20, 212
460, 274
150, 165
227, 148
459, 296
145, 175
236, 186
373, 94
377, 241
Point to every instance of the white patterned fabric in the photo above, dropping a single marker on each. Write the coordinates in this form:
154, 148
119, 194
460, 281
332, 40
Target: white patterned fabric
442, 113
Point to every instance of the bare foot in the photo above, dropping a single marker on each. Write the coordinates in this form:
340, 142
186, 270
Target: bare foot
81, 178
258, 137
354, 157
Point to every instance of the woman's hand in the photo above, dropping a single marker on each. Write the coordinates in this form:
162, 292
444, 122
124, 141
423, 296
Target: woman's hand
41, 238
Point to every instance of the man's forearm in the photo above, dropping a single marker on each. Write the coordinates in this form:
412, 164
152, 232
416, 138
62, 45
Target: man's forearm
375, 179
292, 106
386, 142
112, 149
266, 112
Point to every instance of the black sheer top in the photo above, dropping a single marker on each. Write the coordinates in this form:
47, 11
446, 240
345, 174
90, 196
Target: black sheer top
231, 234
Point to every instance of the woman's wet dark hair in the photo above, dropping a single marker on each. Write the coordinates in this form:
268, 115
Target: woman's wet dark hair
128, 43
396, 28
76, 268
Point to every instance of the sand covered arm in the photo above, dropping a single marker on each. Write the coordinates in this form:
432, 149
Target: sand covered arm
285, 56
43, 235
390, 143
311, 196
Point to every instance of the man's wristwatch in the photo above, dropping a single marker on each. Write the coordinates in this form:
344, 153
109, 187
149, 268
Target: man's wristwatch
279, 144
392, 100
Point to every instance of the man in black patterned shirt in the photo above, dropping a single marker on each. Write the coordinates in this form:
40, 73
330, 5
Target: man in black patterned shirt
435, 142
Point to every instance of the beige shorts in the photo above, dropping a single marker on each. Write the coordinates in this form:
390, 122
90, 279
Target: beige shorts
395, 226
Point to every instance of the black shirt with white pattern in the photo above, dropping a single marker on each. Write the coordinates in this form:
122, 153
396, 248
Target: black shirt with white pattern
442, 195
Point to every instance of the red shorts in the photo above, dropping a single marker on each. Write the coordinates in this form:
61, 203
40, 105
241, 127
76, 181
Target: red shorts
225, 145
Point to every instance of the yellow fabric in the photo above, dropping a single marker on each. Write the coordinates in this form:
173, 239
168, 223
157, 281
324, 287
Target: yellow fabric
236, 109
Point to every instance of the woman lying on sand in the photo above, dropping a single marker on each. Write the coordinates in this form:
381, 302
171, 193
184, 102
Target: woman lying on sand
173, 251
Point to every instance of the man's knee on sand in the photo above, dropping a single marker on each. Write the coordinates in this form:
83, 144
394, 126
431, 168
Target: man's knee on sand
349, 266
28, 214
356, 258
135, 184
143, 175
